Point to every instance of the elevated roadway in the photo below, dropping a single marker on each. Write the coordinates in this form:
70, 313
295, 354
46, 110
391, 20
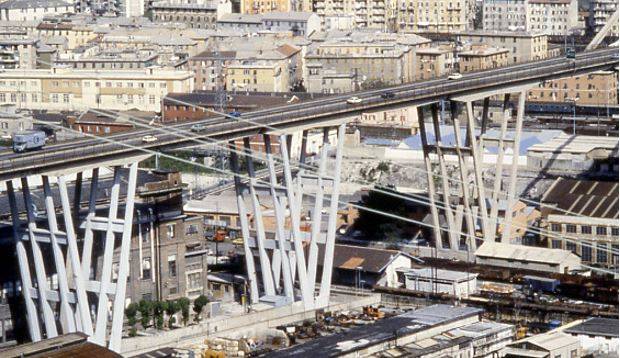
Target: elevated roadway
307, 114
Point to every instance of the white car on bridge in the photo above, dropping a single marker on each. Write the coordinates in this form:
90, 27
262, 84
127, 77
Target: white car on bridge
149, 139
354, 100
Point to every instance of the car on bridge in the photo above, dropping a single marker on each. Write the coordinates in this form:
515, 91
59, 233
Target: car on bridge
149, 139
354, 100
198, 127
388, 95
455, 76
235, 114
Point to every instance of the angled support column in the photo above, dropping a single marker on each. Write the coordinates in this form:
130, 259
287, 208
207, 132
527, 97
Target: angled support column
328, 259
464, 170
499, 166
280, 222
41, 276
313, 251
34, 328
294, 211
118, 308
66, 312
453, 230
245, 226
268, 279
87, 248
512, 184
430, 180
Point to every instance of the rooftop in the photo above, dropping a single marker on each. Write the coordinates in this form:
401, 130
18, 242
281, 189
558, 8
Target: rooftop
595, 326
384, 330
522, 253
595, 199
29, 4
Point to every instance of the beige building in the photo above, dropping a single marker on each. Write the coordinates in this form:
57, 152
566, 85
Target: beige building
435, 15
553, 17
600, 11
76, 35
481, 57
522, 46
264, 6
69, 89
594, 89
372, 59
373, 14
434, 62
201, 14
592, 231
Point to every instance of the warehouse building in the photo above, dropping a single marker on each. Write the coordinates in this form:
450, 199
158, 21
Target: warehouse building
527, 257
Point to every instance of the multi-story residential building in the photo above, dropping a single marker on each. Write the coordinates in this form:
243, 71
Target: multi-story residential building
373, 59
434, 62
69, 89
523, 46
253, 66
600, 11
265, 6
28, 10
201, 14
120, 60
435, 15
76, 34
18, 53
582, 216
375, 14
482, 57
298, 23
593, 89
552, 17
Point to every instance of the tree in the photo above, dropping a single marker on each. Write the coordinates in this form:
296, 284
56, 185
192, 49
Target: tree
146, 309
131, 312
199, 303
184, 306
171, 310
159, 308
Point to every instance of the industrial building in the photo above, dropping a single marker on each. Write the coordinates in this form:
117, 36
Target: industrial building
551, 345
527, 257
433, 280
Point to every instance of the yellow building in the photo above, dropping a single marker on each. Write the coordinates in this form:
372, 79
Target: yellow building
434, 15
481, 57
258, 76
77, 35
434, 62
263, 6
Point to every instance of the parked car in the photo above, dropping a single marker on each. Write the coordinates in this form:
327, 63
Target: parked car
28, 140
354, 100
235, 114
149, 139
455, 76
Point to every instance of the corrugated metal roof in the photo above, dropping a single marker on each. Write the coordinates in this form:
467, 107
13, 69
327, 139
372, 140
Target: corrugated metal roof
590, 198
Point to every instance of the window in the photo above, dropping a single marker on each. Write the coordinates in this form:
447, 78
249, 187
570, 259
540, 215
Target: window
601, 253
586, 253
614, 231
556, 227
170, 230
65, 98
571, 246
54, 97
172, 265
146, 268
191, 229
2, 97
194, 281
586, 230
571, 228
601, 230
556, 244
151, 99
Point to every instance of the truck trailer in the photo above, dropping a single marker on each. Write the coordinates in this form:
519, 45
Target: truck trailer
28, 140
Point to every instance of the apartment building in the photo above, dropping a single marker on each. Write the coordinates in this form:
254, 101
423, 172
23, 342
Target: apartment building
18, 53
582, 216
482, 57
435, 15
523, 46
76, 34
599, 12
598, 89
69, 89
373, 59
265, 6
258, 75
298, 23
201, 14
120, 60
372, 14
436, 61
552, 17
29, 10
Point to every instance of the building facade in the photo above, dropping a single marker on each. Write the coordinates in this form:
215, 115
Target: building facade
68, 89
29, 10
552, 17
435, 15
598, 89
522, 46
481, 57
201, 14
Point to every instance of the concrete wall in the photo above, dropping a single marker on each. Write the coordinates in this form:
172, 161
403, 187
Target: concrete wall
236, 326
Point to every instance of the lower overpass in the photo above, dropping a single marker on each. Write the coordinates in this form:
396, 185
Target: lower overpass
306, 114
